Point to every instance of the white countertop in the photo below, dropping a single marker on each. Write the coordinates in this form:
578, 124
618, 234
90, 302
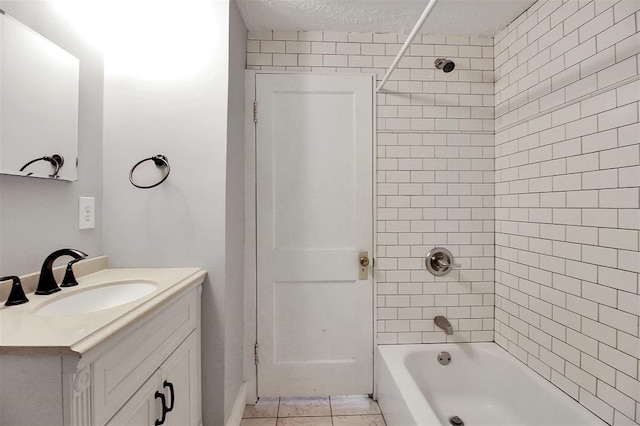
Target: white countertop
23, 332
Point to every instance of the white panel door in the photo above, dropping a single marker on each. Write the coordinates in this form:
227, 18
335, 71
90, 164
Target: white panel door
314, 150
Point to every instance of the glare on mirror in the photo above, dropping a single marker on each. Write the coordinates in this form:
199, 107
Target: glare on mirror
38, 104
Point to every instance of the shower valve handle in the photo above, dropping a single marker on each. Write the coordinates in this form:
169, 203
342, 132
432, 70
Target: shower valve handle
439, 261
442, 263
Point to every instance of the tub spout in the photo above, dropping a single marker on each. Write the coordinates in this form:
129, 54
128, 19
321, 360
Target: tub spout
444, 324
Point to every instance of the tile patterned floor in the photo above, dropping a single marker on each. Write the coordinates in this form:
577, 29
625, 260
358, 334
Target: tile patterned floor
317, 411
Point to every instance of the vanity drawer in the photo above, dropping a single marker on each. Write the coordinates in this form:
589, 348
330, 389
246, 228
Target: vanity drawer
121, 370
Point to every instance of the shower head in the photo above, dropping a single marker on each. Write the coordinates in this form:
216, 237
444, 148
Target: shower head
445, 64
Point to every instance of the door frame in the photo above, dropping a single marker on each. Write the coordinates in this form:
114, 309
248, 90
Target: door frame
250, 242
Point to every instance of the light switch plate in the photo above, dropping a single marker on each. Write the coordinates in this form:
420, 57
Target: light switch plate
87, 213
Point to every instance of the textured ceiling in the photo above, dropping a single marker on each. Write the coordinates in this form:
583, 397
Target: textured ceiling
461, 17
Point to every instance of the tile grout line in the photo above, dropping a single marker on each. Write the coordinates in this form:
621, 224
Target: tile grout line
331, 410
566, 104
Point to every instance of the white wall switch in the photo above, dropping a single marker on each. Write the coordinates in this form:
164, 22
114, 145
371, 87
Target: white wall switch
87, 213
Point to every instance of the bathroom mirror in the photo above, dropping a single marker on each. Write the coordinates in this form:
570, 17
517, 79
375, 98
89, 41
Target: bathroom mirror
38, 104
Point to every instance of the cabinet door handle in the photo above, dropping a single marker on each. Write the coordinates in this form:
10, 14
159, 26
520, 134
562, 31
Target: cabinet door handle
168, 384
164, 407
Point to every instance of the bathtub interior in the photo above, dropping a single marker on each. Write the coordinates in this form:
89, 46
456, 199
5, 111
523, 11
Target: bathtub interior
485, 385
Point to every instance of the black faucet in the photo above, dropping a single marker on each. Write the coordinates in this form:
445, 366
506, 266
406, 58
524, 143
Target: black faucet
47, 283
16, 295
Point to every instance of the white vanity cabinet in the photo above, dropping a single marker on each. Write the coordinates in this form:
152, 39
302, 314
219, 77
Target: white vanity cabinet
117, 382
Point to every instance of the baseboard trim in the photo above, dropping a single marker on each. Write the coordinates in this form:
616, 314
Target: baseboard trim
238, 406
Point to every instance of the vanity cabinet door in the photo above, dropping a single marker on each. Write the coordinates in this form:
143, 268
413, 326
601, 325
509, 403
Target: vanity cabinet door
180, 382
142, 409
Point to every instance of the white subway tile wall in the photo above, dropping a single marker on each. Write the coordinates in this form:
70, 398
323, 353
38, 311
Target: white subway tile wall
435, 171
533, 182
567, 164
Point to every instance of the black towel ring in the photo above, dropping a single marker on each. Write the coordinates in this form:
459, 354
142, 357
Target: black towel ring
56, 161
160, 161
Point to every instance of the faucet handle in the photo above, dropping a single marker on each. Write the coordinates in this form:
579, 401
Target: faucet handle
16, 295
439, 261
69, 279
444, 263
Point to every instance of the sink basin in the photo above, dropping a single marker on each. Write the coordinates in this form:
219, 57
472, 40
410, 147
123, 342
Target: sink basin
96, 298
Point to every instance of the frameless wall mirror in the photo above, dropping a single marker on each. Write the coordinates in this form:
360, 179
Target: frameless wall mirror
38, 104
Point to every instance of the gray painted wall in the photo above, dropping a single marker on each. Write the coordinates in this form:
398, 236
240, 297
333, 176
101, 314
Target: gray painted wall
38, 216
192, 219
234, 315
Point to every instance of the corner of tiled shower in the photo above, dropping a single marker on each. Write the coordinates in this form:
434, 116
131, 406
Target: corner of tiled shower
525, 164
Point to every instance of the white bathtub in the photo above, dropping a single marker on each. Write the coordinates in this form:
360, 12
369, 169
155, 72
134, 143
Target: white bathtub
483, 385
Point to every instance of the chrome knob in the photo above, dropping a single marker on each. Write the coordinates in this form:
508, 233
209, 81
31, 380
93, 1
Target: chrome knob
439, 261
